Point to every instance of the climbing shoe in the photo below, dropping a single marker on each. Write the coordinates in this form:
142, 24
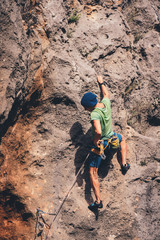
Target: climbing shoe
95, 205
125, 168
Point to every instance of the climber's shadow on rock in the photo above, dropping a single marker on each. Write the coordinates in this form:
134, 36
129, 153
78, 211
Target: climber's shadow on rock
83, 144
106, 164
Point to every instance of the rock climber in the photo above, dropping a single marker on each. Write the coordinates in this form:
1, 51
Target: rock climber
101, 120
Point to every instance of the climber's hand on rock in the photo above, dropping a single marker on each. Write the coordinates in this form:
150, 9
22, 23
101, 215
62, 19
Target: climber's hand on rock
99, 79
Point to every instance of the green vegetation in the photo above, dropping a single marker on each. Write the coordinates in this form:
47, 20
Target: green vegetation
74, 18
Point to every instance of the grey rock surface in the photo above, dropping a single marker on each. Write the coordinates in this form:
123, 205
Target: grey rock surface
51, 53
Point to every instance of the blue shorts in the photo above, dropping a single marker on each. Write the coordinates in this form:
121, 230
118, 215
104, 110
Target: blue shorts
94, 159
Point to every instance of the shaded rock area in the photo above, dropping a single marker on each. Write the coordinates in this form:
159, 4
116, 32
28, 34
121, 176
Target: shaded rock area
51, 53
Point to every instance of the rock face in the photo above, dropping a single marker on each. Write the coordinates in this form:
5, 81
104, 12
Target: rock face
51, 53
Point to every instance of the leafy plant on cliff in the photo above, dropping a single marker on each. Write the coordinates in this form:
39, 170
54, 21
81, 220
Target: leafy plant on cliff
74, 18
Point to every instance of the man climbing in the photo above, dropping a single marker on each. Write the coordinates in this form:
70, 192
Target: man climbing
102, 135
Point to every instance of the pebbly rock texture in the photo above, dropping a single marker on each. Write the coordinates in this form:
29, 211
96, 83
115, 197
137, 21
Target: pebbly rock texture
51, 53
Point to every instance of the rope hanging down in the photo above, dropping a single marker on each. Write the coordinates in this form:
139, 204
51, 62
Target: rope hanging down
61, 205
64, 199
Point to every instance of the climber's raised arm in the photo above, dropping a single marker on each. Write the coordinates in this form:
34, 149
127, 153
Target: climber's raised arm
104, 89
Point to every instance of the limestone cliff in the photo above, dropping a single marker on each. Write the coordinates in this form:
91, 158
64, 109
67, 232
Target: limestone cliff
51, 53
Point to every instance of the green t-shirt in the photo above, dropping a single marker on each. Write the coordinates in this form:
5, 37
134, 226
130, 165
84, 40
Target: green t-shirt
105, 117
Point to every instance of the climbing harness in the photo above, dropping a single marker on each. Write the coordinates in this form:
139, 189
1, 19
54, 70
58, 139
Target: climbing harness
113, 142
